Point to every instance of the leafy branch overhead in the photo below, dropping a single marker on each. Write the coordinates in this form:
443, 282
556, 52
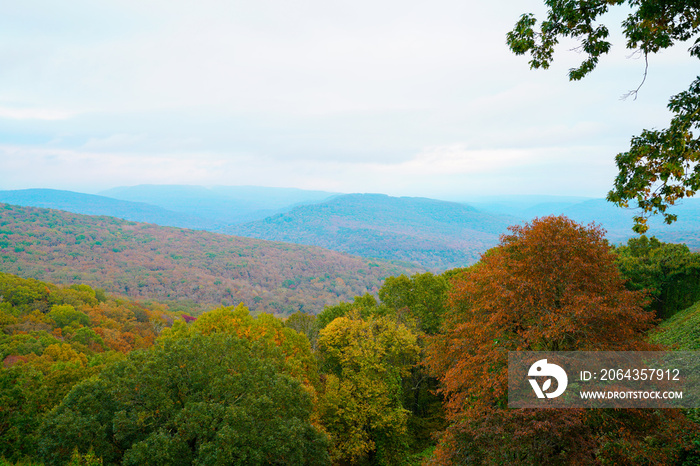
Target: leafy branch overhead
661, 166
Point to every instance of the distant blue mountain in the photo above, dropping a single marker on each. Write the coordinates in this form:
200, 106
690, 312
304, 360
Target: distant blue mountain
89, 204
436, 234
527, 206
222, 205
617, 221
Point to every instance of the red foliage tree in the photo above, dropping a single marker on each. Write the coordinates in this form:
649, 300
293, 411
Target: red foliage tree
551, 285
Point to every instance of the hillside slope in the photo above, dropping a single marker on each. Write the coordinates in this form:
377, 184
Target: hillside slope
681, 331
436, 234
169, 264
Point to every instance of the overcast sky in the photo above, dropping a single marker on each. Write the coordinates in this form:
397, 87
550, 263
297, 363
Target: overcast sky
400, 97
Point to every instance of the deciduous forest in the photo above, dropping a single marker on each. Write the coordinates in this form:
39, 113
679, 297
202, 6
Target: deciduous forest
412, 372
188, 269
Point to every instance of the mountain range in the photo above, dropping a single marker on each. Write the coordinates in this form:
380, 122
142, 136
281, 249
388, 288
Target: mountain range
437, 234
430, 233
219, 205
90, 204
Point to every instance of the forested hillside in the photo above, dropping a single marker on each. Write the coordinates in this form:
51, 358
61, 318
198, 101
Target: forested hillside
52, 338
169, 264
435, 234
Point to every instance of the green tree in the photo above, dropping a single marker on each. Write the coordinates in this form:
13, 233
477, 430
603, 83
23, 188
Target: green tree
265, 328
19, 416
366, 305
661, 166
422, 296
670, 273
420, 301
65, 314
305, 324
209, 399
29, 389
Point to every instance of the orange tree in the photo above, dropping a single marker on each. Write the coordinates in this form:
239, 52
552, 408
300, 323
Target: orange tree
551, 285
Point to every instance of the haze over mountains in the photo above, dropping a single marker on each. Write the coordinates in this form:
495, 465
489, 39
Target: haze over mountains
219, 205
89, 204
434, 234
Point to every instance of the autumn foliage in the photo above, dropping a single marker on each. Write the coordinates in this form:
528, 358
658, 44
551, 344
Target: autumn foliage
551, 285
364, 361
191, 270
366, 382
51, 338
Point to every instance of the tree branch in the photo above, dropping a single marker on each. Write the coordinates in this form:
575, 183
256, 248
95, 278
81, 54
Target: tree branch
644, 78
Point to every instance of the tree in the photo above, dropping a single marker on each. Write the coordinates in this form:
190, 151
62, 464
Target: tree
422, 295
551, 285
305, 324
65, 315
204, 399
662, 166
364, 361
299, 361
670, 273
419, 302
366, 305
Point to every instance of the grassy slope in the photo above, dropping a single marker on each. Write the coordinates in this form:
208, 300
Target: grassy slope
682, 331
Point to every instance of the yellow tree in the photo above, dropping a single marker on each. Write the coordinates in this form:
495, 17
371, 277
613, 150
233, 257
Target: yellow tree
299, 360
364, 361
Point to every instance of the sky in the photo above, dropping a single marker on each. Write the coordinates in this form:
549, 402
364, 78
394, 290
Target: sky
407, 97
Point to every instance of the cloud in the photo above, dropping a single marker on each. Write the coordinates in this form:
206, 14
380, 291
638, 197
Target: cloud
93, 171
115, 141
447, 172
457, 159
399, 96
34, 114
